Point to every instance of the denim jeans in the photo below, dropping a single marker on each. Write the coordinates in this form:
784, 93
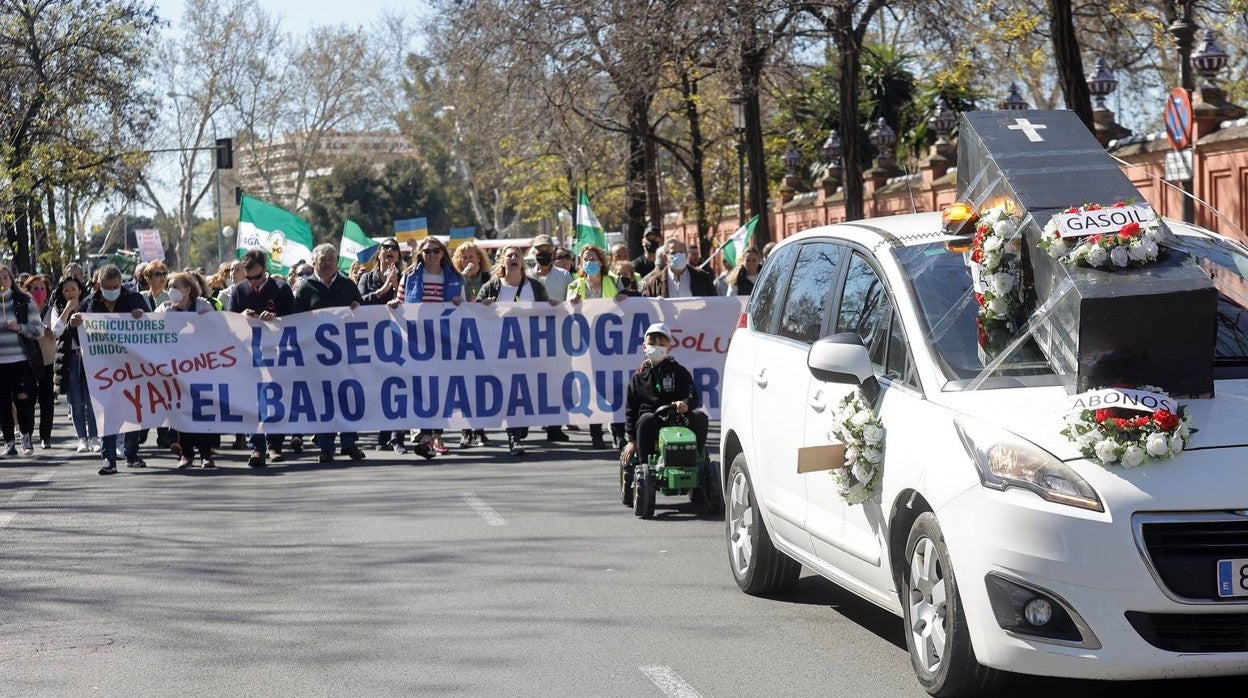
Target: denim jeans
80, 409
130, 447
325, 442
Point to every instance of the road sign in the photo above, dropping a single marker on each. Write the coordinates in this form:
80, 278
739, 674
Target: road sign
1178, 118
1179, 166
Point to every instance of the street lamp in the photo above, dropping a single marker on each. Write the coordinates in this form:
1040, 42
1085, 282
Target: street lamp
1014, 100
942, 121
737, 104
1208, 60
883, 137
1101, 83
832, 155
791, 159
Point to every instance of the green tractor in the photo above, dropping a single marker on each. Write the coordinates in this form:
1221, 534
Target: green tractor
676, 468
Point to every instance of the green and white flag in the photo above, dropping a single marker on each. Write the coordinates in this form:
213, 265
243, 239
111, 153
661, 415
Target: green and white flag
355, 246
734, 247
286, 237
588, 230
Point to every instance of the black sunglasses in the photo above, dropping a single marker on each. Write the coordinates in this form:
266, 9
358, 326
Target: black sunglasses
256, 277
427, 250
390, 247
563, 256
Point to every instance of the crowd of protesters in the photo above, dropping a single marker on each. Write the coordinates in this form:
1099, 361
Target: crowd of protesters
41, 348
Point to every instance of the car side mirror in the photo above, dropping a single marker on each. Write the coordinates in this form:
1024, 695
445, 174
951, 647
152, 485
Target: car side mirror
842, 358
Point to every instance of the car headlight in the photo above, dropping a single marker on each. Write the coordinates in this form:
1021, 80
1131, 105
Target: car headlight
1007, 460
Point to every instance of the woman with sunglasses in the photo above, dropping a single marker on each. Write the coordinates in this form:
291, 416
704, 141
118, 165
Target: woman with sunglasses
38, 287
595, 281
431, 279
155, 274
71, 378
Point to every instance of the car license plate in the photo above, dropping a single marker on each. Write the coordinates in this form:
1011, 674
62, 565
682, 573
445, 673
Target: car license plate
1233, 577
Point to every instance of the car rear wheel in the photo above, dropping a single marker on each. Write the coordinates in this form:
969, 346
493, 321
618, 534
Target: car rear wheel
936, 633
756, 565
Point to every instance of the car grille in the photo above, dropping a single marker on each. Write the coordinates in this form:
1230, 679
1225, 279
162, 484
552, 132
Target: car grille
1191, 632
1185, 552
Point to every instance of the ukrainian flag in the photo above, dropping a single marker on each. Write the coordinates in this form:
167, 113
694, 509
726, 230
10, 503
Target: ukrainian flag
409, 230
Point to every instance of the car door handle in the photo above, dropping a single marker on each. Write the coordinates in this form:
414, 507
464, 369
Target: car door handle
761, 379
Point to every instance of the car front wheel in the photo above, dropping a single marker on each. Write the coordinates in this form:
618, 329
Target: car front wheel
756, 564
936, 634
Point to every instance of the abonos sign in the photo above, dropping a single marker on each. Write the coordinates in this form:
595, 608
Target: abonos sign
430, 365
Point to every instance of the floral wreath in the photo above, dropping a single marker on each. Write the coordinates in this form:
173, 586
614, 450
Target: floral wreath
1110, 436
996, 258
1133, 244
856, 425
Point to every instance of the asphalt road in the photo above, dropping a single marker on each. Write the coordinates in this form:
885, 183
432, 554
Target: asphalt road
475, 574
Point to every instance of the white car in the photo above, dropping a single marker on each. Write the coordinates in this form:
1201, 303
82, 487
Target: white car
997, 542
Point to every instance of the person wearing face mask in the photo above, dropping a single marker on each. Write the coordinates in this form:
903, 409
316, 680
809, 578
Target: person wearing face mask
678, 279
71, 379
111, 297
37, 287
595, 281
262, 297
650, 244
659, 381
184, 297
379, 286
556, 280
20, 327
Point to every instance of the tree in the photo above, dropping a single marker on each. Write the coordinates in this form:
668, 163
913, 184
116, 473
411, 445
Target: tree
74, 108
356, 190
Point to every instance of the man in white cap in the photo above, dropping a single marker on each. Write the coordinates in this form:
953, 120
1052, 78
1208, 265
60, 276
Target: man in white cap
660, 381
556, 281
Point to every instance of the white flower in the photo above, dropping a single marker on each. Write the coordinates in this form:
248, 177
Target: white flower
1120, 256
992, 243
1058, 247
1106, 450
1176, 444
1089, 439
1150, 248
1004, 228
1132, 456
851, 455
860, 418
1157, 445
872, 434
1183, 430
998, 308
1001, 284
863, 472
1096, 255
873, 455
1152, 234
1138, 252
992, 260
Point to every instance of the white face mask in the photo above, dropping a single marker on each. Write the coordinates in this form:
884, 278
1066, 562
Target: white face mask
175, 295
110, 294
677, 260
655, 354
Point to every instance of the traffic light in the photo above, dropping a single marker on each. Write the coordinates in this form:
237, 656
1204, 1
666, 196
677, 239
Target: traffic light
225, 153
238, 196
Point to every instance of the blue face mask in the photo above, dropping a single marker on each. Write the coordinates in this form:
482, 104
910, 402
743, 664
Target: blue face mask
592, 268
110, 294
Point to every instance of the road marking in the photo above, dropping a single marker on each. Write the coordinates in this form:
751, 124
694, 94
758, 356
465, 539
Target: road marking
25, 495
485, 510
669, 682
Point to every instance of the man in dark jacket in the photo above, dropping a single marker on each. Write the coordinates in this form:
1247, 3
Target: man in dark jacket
651, 241
266, 298
113, 297
678, 279
326, 288
658, 382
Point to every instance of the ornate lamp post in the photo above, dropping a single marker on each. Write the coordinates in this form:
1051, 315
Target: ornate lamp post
942, 121
832, 155
791, 159
1101, 83
1209, 60
883, 137
737, 104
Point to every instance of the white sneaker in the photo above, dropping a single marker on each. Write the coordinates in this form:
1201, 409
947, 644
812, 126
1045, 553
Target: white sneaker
9, 449
96, 444
83, 446
28, 449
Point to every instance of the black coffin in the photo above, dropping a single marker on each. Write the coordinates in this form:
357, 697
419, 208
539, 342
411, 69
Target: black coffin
1153, 325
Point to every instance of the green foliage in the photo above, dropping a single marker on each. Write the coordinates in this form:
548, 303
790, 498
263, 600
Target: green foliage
357, 191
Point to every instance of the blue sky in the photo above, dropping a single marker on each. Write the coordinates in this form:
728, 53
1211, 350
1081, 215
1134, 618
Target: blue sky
298, 15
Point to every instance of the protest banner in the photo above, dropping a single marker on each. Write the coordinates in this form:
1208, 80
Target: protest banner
431, 365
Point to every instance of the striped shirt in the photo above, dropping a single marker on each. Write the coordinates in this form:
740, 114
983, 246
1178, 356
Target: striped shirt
11, 349
432, 288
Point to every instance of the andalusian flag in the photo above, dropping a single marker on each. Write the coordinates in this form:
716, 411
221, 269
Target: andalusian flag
355, 246
286, 237
734, 247
588, 229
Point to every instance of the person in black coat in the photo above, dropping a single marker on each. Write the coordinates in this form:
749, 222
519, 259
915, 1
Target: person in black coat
678, 279
381, 285
659, 381
112, 297
262, 296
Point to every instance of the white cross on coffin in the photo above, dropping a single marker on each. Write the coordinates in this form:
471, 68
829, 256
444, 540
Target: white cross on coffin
1032, 130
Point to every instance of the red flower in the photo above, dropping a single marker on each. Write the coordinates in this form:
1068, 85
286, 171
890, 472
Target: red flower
1102, 415
1130, 230
1141, 422
1166, 419
1073, 209
1122, 423
979, 297
1119, 204
1094, 239
983, 337
1092, 207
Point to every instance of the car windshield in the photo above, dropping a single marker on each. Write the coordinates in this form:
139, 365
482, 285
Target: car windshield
941, 285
